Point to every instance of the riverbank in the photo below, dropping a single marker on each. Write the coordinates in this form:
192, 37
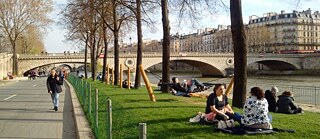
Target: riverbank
168, 117
285, 73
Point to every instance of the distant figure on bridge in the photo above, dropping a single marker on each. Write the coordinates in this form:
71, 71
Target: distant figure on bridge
285, 104
54, 83
270, 95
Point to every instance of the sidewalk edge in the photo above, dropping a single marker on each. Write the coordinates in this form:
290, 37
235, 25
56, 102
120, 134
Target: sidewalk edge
83, 130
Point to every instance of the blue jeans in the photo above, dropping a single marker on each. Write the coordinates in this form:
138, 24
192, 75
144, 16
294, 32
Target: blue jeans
270, 118
194, 84
55, 99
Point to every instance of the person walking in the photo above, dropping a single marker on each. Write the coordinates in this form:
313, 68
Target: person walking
54, 83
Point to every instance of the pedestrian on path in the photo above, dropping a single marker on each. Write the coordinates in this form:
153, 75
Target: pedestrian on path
54, 83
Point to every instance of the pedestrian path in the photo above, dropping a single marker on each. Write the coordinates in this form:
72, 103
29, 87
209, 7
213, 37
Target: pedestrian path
25, 112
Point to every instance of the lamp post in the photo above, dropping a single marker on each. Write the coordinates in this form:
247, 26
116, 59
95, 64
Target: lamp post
130, 44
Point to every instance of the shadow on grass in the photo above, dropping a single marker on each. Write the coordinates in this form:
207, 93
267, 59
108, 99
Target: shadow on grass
148, 100
180, 132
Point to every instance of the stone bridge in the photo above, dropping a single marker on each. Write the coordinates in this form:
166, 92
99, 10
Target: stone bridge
210, 64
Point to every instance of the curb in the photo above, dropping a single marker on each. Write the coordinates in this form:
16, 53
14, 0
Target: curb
83, 130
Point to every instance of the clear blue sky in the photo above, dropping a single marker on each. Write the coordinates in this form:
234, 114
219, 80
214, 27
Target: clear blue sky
55, 41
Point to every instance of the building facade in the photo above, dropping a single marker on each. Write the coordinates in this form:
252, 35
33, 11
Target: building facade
284, 32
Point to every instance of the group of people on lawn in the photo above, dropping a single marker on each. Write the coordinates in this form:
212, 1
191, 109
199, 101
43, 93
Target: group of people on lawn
255, 111
184, 88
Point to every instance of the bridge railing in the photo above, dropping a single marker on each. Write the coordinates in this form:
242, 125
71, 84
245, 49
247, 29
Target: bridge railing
302, 94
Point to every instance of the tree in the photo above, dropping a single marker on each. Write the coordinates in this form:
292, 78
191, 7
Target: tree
139, 51
240, 54
30, 42
17, 15
120, 16
148, 7
166, 46
258, 37
84, 25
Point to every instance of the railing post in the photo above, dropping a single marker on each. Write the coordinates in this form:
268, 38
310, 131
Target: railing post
128, 78
84, 87
96, 113
90, 99
143, 131
109, 118
121, 74
315, 96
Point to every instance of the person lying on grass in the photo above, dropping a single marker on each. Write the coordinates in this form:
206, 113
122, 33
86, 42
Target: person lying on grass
186, 87
255, 111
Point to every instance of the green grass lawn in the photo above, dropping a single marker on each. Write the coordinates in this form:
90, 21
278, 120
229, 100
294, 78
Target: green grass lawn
168, 117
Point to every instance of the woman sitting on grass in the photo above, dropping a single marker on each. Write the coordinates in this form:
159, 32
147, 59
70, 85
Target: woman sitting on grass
255, 111
218, 106
286, 105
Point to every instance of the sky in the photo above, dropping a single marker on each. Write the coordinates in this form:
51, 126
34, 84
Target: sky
55, 41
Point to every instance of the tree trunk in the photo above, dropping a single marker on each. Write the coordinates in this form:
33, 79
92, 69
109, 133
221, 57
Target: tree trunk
105, 53
165, 46
86, 57
240, 54
116, 46
15, 60
139, 51
93, 59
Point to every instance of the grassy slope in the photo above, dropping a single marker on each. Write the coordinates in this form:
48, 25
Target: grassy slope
168, 117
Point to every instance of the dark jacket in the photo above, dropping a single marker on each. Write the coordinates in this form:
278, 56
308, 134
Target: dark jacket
271, 98
285, 104
54, 85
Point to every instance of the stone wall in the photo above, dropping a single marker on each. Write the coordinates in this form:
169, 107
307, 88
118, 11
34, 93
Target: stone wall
5, 65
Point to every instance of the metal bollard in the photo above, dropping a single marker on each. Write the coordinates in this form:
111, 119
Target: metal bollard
143, 131
109, 109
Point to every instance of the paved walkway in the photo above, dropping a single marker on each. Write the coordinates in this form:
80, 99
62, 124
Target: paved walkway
25, 112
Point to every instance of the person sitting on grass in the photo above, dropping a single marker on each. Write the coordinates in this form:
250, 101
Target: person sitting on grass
270, 95
255, 111
285, 104
217, 105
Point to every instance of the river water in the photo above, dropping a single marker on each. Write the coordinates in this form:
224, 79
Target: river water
306, 89
252, 79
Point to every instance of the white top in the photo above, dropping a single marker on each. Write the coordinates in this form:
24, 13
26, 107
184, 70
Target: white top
255, 111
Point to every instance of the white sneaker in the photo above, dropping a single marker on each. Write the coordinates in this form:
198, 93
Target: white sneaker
222, 124
195, 119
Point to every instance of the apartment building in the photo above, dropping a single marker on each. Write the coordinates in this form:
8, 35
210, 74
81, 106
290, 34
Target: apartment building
281, 32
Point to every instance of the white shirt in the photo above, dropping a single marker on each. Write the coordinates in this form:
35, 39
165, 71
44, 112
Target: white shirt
255, 111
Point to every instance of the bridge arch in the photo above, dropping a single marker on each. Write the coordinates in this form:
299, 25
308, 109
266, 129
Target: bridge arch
206, 68
277, 64
25, 67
